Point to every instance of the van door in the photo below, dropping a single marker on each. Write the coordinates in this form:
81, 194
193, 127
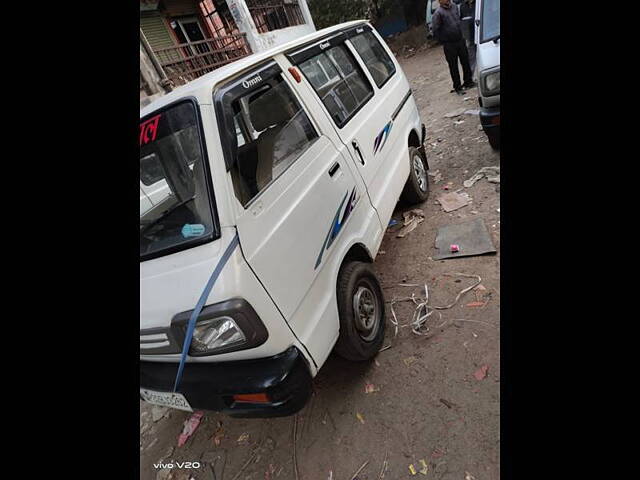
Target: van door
297, 192
361, 90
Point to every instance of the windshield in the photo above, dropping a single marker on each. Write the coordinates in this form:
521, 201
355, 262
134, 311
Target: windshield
490, 26
174, 204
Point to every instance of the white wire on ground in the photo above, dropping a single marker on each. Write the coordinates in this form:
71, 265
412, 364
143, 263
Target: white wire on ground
419, 318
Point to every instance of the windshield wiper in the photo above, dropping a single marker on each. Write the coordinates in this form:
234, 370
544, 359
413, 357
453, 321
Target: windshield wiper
165, 214
496, 39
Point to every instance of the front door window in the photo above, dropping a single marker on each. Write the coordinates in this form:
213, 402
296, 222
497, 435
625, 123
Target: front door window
272, 132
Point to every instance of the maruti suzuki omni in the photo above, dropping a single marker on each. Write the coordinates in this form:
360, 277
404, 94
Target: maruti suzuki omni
266, 189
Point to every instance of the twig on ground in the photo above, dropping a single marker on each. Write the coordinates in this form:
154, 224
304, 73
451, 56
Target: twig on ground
474, 321
384, 467
295, 432
223, 465
213, 467
446, 403
306, 427
359, 470
251, 459
253, 455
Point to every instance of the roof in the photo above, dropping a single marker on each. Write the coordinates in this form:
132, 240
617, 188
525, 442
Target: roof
222, 73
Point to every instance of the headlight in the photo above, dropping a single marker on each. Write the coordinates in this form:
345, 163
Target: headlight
223, 327
215, 334
491, 83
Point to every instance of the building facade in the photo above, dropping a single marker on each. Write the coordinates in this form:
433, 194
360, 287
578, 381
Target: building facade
181, 40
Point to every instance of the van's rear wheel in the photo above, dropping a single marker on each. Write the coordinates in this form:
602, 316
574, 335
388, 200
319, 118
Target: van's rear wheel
361, 312
416, 189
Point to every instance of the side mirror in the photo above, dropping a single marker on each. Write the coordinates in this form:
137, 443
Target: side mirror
477, 23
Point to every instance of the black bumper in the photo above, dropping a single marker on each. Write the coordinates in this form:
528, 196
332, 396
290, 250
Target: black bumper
490, 119
285, 378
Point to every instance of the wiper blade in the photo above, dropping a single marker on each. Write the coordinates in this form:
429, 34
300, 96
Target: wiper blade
496, 39
164, 214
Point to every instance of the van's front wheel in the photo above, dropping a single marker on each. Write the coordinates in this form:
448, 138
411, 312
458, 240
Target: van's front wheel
416, 189
361, 312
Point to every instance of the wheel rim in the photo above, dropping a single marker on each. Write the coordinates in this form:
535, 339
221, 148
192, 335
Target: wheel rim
366, 313
420, 172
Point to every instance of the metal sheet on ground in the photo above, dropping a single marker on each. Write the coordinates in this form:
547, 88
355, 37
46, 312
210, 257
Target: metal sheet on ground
472, 237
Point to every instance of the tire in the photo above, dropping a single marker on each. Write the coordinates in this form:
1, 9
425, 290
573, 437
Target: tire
360, 338
416, 190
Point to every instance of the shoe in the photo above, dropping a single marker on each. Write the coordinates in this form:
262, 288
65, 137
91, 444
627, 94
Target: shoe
460, 91
471, 84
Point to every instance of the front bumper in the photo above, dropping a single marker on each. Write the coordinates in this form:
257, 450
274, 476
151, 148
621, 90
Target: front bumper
285, 378
490, 119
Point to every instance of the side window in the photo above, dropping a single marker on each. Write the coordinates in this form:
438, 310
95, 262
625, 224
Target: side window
378, 63
339, 82
278, 132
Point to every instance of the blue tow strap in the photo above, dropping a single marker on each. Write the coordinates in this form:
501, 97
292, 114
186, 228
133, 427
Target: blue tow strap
196, 311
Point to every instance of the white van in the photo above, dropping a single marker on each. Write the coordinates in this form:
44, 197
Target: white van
282, 171
432, 6
487, 35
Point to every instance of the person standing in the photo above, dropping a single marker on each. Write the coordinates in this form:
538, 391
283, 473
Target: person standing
447, 30
468, 16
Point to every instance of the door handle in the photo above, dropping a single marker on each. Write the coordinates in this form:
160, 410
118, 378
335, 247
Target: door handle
334, 168
356, 147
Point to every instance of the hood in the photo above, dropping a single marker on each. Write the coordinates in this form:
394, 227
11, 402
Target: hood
173, 284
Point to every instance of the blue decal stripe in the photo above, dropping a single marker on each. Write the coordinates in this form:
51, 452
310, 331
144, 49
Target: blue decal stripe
338, 223
378, 144
388, 130
333, 224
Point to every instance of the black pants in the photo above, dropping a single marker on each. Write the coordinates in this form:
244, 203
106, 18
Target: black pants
453, 51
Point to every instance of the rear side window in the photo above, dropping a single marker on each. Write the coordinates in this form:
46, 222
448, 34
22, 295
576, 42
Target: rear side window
339, 82
378, 63
273, 132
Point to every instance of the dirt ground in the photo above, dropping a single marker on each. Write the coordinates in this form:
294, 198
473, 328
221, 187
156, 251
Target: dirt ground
429, 405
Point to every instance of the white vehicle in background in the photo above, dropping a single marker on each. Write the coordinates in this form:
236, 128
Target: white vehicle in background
432, 6
266, 189
488, 67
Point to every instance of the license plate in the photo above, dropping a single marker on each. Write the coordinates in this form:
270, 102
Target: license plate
166, 399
